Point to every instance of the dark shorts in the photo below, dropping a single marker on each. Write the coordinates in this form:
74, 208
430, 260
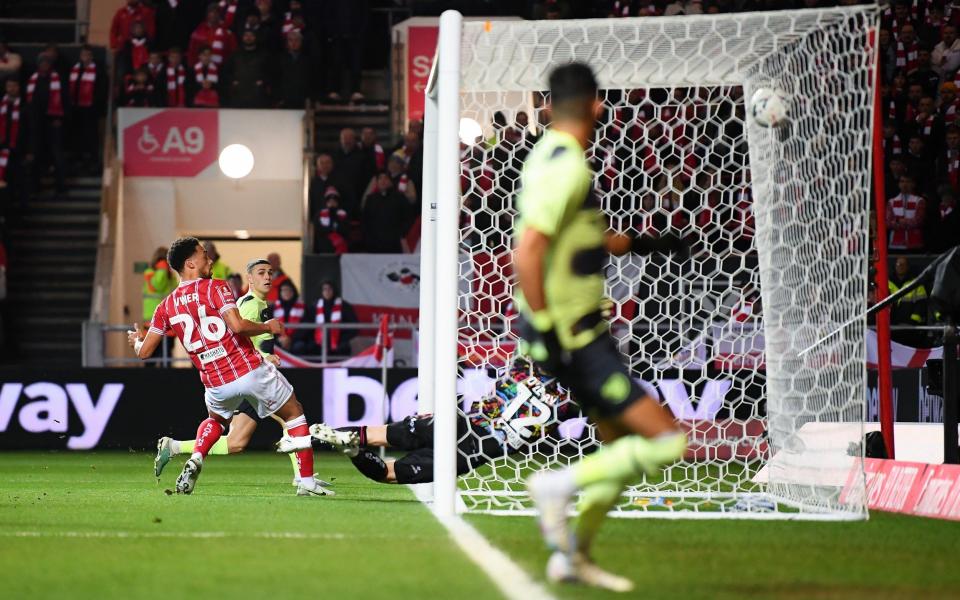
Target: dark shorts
599, 381
248, 409
415, 434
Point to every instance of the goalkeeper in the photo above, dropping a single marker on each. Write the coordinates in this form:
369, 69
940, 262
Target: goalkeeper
561, 247
520, 411
253, 307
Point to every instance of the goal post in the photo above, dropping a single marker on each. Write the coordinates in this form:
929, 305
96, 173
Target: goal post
778, 218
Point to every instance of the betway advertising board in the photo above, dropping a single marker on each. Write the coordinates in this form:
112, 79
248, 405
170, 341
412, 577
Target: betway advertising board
83, 409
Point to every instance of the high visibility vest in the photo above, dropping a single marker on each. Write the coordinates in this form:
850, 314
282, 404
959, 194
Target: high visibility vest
219, 270
914, 297
158, 283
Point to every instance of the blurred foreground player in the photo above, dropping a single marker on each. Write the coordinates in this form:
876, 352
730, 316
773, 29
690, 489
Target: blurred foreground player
253, 307
561, 246
523, 406
204, 316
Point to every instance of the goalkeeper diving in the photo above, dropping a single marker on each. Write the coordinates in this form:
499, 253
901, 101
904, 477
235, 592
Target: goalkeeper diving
561, 245
524, 406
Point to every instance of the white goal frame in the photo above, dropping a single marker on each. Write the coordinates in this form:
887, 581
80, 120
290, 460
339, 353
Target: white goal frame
441, 206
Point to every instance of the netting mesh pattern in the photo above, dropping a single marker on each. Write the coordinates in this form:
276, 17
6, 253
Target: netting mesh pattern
778, 222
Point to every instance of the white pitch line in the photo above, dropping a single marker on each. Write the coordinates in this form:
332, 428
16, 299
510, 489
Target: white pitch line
281, 535
508, 576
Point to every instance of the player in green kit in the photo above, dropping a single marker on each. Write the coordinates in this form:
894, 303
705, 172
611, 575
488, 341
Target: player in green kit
561, 245
253, 307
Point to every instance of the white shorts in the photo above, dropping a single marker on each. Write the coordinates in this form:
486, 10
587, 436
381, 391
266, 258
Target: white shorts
264, 388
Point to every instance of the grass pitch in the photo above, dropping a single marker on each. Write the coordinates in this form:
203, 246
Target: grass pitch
97, 525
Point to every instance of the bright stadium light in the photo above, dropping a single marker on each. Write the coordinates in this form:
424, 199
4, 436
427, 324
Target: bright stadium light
470, 130
236, 161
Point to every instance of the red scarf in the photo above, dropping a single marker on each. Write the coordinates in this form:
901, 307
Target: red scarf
907, 57
945, 211
621, 9
289, 25
219, 44
9, 106
336, 316
896, 147
228, 12
295, 316
203, 73
338, 241
136, 100
4, 157
176, 90
55, 104
927, 125
953, 167
139, 53
950, 115
379, 157
82, 82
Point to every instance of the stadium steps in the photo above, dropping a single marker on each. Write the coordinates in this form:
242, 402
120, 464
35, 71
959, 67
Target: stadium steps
331, 118
39, 9
53, 252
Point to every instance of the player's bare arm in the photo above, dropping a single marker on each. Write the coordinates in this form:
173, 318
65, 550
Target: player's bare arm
144, 347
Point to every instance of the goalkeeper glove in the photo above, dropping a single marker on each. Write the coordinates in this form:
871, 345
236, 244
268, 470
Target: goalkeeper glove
668, 243
539, 341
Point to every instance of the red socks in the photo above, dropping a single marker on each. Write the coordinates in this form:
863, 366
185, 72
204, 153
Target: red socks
295, 428
207, 435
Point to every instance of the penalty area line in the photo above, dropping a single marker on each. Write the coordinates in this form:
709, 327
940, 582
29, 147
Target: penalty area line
512, 581
272, 535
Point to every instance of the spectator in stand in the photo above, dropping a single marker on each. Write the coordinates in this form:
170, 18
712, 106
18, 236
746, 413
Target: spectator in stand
278, 277
918, 160
908, 49
332, 309
912, 308
324, 177
945, 57
206, 79
928, 125
888, 56
295, 74
344, 22
944, 229
245, 75
354, 167
368, 141
14, 142
948, 164
290, 22
931, 27
158, 282
176, 20
174, 82
948, 104
88, 91
10, 62
289, 310
139, 91
211, 34
236, 285
924, 74
331, 225
136, 52
269, 25
122, 26
905, 217
385, 218
401, 181
896, 168
47, 106
219, 269
412, 153
232, 16
156, 67
892, 144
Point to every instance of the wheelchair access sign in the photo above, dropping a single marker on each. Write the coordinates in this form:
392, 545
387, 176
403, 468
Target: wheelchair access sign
170, 143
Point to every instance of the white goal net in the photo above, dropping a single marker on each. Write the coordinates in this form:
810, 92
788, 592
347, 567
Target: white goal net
778, 220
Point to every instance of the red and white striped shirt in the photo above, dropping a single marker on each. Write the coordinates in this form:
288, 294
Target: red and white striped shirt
194, 311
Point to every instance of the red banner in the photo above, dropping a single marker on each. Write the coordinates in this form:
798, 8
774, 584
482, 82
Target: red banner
912, 488
421, 45
171, 143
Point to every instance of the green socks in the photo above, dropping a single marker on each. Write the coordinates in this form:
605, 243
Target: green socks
628, 458
186, 446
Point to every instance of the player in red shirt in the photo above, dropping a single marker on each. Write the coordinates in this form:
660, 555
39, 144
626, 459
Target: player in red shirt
203, 314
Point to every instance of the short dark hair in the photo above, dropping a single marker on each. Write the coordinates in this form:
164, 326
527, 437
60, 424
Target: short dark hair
180, 250
255, 262
573, 88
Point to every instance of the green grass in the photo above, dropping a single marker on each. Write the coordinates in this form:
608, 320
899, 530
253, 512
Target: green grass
379, 542
389, 545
